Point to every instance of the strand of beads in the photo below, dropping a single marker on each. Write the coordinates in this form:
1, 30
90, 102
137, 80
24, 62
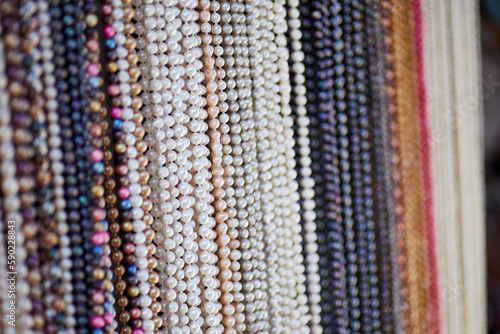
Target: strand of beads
391, 160
113, 296
230, 19
66, 193
254, 265
229, 105
296, 311
112, 214
9, 195
124, 91
267, 157
158, 102
97, 269
121, 238
246, 212
285, 239
337, 140
232, 89
16, 52
171, 250
75, 149
307, 46
130, 102
243, 144
179, 243
151, 44
358, 289
237, 157
325, 52
205, 223
212, 99
413, 252
298, 103
184, 223
346, 148
51, 194
368, 280
30, 28
378, 120
197, 218
226, 237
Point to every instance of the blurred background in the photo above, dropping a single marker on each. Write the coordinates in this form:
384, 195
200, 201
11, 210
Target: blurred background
490, 38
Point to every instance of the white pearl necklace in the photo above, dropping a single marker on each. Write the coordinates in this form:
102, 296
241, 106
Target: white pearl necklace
178, 214
272, 201
296, 309
152, 62
153, 31
203, 221
216, 103
260, 231
237, 160
204, 199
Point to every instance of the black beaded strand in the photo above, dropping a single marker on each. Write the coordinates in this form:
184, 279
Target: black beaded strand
375, 51
356, 68
350, 174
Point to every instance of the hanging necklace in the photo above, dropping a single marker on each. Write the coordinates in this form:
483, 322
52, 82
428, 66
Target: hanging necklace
124, 89
291, 269
97, 269
67, 319
361, 319
42, 177
153, 32
255, 277
205, 224
393, 185
166, 205
225, 228
10, 187
305, 180
18, 47
383, 201
368, 279
324, 156
150, 27
413, 246
240, 155
54, 227
121, 237
77, 141
140, 263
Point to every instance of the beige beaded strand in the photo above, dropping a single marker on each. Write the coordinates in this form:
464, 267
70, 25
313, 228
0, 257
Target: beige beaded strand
295, 306
216, 96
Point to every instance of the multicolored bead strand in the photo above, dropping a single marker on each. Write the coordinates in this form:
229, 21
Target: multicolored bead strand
101, 286
9, 194
116, 184
17, 48
54, 228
